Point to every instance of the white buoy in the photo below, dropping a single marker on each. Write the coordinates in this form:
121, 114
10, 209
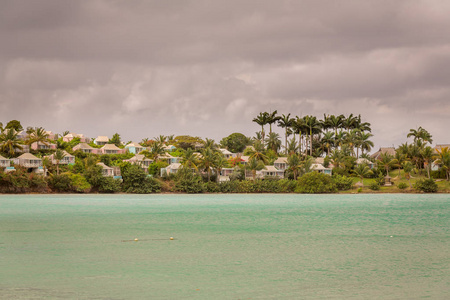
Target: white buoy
171, 238
392, 236
136, 240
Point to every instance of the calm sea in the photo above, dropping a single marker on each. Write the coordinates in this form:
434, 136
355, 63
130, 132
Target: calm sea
225, 246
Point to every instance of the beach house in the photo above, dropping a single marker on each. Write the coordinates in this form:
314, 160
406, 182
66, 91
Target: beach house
67, 160
135, 148
321, 169
271, 171
5, 164
43, 146
171, 169
140, 160
110, 149
383, 150
70, 136
280, 163
85, 148
361, 161
101, 140
30, 162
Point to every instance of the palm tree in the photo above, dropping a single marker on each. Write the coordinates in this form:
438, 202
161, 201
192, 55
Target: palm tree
352, 139
364, 143
273, 141
207, 161
294, 164
262, 119
299, 127
401, 158
219, 163
38, 135
286, 123
161, 139
254, 165
427, 155
327, 141
306, 165
420, 134
335, 123
444, 160
272, 118
190, 159
349, 122
156, 149
9, 142
58, 156
314, 127
408, 167
362, 171
387, 161
257, 152
209, 143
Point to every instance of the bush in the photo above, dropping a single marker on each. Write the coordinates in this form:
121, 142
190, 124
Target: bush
374, 186
188, 182
359, 190
343, 183
79, 183
155, 167
110, 185
426, 185
135, 180
402, 185
60, 183
212, 187
313, 183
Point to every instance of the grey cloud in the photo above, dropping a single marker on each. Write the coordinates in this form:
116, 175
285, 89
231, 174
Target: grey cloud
205, 68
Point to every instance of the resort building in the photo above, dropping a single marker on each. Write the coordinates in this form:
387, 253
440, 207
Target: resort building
170, 169
43, 146
361, 161
67, 160
140, 160
280, 163
5, 164
85, 148
383, 150
110, 149
272, 172
135, 148
227, 154
321, 169
169, 148
106, 171
101, 140
70, 136
170, 159
30, 162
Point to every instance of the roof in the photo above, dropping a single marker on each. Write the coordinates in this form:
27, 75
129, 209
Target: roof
67, 154
281, 160
271, 169
82, 146
104, 166
384, 150
28, 156
2, 158
174, 166
319, 160
110, 147
102, 138
360, 161
225, 152
139, 157
245, 158
318, 167
137, 145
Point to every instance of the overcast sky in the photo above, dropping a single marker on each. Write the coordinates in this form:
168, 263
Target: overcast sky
207, 68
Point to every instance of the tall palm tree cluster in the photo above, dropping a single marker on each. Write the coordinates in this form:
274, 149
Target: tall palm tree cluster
10, 143
316, 137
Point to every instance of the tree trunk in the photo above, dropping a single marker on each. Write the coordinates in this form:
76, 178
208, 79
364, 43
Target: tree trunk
310, 144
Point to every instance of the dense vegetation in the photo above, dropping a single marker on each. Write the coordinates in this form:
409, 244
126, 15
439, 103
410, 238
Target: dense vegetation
339, 142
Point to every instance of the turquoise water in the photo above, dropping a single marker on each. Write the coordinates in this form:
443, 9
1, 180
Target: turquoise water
225, 246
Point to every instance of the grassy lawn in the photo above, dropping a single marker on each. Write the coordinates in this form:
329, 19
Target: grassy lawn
444, 185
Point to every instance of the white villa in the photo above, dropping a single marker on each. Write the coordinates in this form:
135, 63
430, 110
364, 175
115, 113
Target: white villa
140, 160
29, 161
101, 140
110, 149
67, 160
85, 148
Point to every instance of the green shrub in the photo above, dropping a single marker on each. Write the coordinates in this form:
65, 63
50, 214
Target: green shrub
188, 182
313, 183
212, 187
135, 180
343, 183
374, 186
79, 183
402, 185
110, 185
359, 190
60, 183
426, 185
155, 167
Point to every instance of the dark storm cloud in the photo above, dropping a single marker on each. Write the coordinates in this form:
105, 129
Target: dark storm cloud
206, 68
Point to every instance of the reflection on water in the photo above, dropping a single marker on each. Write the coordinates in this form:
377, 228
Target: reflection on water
224, 246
